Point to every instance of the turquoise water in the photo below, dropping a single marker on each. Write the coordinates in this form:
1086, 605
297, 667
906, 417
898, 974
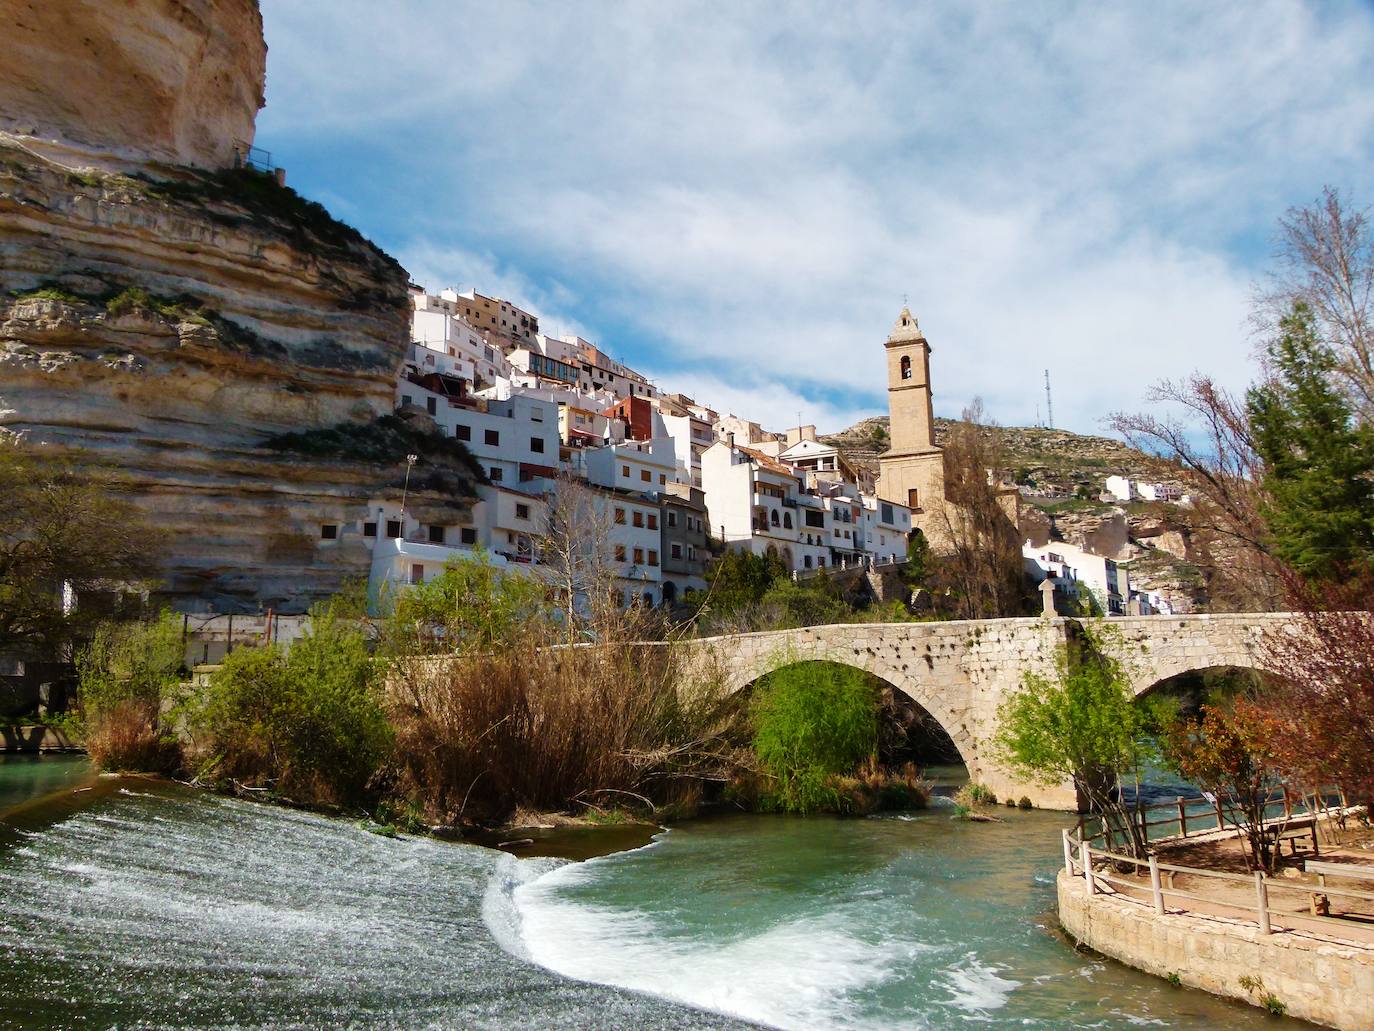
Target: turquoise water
918, 921
24, 777
139, 905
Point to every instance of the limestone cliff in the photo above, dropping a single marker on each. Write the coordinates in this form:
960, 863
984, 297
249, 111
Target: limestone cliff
128, 82
171, 327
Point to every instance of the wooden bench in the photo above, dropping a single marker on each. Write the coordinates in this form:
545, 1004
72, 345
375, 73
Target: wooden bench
1351, 871
1298, 830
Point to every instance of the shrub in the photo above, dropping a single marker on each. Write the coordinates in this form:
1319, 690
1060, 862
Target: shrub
1024, 802
501, 716
126, 675
812, 720
307, 723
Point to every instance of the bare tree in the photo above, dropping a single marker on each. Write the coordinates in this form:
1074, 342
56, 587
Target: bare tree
577, 554
1210, 448
1325, 257
983, 569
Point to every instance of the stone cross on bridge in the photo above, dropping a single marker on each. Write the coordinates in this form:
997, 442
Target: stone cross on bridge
961, 672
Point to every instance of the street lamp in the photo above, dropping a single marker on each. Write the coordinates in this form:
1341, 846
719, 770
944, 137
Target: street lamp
405, 490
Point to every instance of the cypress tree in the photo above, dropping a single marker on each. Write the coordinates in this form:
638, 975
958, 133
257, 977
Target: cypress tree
1318, 463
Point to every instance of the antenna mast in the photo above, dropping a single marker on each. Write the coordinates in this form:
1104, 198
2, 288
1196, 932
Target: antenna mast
1049, 402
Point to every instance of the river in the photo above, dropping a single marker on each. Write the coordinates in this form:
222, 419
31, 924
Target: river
136, 904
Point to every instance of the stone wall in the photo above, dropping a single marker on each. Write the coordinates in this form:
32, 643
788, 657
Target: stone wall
1319, 981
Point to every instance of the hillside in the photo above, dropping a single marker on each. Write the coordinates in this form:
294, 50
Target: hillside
1035, 456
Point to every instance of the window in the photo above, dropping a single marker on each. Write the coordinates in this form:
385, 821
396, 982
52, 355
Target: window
913, 500
645, 475
676, 551
432, 405
638, 519
537, 445
653, 557
393, 529
787, 520
814, 518
495, 474
468, 535
417, 574
329, 531
662, 479
536, 415
906, 366
773, 517
653, 520
369, 529
887, 514
672, 519
691, 553
463, 432
806, 561
522, 511
625, 471
639, 556
492, 437
620, 515
436, 535
648, 598
620, 553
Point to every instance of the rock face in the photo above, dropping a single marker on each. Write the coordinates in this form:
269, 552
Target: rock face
169, 328
132, 81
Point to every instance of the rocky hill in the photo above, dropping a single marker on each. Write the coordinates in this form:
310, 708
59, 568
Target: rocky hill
1064, 474
1034, 456
172, 321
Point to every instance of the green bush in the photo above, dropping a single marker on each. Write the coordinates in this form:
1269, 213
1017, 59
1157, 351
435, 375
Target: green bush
812, 720
307, 723
125, 675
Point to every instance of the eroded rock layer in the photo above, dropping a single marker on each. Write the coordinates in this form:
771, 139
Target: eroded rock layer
170, 327
133, 81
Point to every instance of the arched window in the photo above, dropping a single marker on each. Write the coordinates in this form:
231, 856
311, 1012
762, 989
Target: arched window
906, 366
787, 520
773, 516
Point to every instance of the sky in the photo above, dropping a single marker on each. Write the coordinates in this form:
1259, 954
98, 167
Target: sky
736, 198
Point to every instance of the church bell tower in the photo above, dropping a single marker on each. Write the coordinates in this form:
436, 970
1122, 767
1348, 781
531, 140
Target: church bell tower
912, 469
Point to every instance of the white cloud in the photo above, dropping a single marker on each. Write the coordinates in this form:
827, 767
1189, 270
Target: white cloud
739, 197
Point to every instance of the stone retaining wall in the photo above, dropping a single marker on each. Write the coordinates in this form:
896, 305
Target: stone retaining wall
1324, 982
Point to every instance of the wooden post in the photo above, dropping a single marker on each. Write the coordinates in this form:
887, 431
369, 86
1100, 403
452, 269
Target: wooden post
1154, 884
1086, 857
1182, 818
1068, 853
1262, 900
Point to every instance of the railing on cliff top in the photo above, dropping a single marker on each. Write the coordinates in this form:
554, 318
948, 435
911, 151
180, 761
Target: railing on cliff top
1105, 872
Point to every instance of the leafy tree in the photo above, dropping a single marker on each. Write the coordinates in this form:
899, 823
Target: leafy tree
1318, 465
917, 569
740, 578
307, 722
63, 525
1226, 752
816, 602
126, 674
1084, 725
812, 721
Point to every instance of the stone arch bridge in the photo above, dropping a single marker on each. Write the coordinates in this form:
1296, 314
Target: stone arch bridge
961, 672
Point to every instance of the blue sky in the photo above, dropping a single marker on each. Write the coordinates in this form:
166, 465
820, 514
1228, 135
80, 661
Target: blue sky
734, 198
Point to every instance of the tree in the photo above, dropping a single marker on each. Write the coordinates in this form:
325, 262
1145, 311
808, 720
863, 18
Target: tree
1320, 704
1318, 465
576, 553
739, 579
1083, 724
62, 525
1226, 751
917, 569
983, 569
1210, 447
1325, 261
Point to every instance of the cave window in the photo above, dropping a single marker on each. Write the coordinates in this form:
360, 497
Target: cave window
393, 529
329, 531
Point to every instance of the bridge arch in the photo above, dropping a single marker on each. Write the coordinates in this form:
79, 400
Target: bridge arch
926, 703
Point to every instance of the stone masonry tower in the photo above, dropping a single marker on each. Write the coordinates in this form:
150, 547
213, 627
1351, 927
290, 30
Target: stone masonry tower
912, 470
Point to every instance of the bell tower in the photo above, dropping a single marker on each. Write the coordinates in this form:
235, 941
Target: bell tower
912, 469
